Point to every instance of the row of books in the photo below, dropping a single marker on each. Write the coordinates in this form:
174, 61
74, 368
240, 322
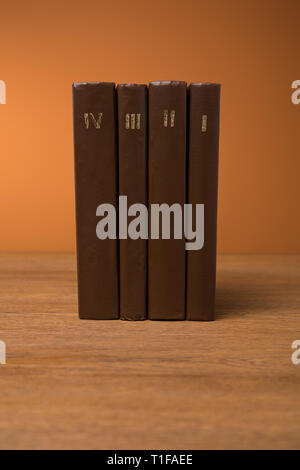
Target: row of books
155, 144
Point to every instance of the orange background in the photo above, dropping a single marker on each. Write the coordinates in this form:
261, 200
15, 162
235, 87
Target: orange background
251, 47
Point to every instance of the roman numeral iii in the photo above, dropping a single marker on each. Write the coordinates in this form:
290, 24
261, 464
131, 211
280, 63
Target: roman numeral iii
132, 121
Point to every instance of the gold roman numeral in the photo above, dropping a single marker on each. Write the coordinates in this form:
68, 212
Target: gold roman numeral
204, 123
132, 121
96, 121
169, 119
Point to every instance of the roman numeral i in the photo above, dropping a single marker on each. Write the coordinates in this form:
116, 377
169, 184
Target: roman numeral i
204, 123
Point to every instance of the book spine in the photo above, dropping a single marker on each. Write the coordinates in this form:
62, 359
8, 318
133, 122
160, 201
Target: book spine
132, 116
167, 173
95, 145
204, 112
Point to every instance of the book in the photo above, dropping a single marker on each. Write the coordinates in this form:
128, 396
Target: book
203, 158
167, 174
132, 120
95, 148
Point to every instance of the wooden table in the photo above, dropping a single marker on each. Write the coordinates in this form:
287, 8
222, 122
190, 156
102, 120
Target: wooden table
72, 384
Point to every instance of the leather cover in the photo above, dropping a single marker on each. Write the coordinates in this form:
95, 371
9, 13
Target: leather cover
204, 111
167, 173
132, 115
95, 143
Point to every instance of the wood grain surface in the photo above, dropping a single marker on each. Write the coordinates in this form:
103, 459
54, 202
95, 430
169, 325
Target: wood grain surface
71, 384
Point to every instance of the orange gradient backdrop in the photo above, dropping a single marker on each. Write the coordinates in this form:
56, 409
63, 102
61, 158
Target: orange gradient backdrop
251, 47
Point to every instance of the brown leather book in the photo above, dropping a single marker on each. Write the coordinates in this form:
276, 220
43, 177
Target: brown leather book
204, 111
95, 143
132, 115
167, 173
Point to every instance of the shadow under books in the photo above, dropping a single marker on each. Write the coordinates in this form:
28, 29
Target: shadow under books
241, 297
